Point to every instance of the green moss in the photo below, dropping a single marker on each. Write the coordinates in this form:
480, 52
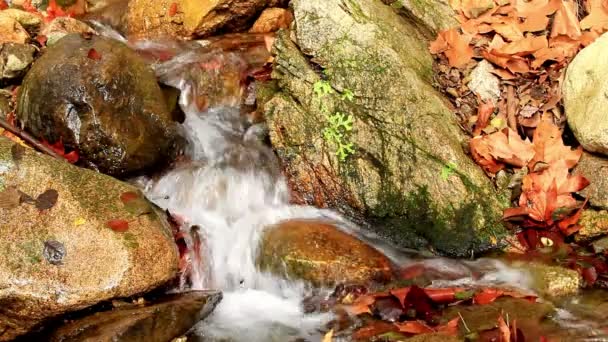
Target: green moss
130, 240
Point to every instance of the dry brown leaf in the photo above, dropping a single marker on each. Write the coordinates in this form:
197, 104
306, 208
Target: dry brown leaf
549, 147
535, 22
514, 64
524, 46
455, 46
484, 111
526, 9
597, 20
329, 337
565, 21
361, 305
509, 30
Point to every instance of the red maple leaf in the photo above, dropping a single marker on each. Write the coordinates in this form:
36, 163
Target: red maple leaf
118, 225
94, 55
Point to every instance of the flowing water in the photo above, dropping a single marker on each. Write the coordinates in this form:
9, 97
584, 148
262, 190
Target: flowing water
229, 189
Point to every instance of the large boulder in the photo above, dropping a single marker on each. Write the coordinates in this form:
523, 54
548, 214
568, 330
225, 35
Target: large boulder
159, 321
320, 253
432, 16
406, 171
99, 97
70, 238
192, 18
585, 99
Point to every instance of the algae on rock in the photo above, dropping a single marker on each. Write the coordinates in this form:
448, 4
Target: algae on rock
404, 132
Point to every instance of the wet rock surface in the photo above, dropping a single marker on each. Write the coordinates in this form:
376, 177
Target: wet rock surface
433, 15
594, 223
193, 18
156, 322
11, 31
585, 100
98, 97
595, 169
68, 241
554, 281
62, 26
408, 173
319, 252
14, 60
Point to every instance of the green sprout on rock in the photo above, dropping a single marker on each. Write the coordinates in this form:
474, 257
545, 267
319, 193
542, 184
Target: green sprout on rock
322, 88
339, 125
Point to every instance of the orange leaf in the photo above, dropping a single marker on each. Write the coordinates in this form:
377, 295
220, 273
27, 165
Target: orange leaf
505, 332
401, 294
534, 23
3, 5
93, 54
549, 147
526, 9
118, 225
455, 46
597, 20
172, 9
480, 150
487, 296
450, 328
565, 21
484, 111
361, 305
524, 46
414, 327
566, 224
128, 196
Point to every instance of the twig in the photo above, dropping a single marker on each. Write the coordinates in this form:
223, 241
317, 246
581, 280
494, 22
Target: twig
29, 139
464, 323
511, 108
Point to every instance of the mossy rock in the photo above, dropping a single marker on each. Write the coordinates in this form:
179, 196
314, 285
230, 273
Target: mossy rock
60, 251
409, 176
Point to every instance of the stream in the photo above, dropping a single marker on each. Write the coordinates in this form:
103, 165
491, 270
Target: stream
228, 189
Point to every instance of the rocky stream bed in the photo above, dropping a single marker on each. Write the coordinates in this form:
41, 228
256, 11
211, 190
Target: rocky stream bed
304, 170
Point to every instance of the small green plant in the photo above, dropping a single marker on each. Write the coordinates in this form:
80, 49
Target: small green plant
448, 170
348, 95
322, 88
339, 124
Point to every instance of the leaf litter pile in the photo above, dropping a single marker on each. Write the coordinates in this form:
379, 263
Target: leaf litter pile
503, 68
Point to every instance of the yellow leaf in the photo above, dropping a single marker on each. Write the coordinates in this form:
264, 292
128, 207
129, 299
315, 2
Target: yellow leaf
329, 336
79, 221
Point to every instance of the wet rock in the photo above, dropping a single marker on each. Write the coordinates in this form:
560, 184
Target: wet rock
432, 15
14, 60
38, 4
100, 99
158, 322
30, 21
11, 31
554, 281
58, 252
62, 26
585, 101
593, 224
529, 316
6, 105
407, 174
595, 169
319, 252
484, 83
271, 20
192, 18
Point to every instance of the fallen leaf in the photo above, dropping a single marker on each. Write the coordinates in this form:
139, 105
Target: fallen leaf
118, 225
597, 20
361, 305
487, 296
128, 196
172, 9
505, 332
455, 46
565, 21
450, 328
414, 327
329, 336
93, 54
484, 111
590, 275
3, 5
79, 221
47, 199
549, 147
373, 329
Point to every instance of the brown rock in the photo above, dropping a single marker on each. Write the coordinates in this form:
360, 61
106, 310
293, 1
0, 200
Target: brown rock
159, 322
28, 20
62, 26
595, 169
191, 18
58, 252
11, 31
593, 224
319, 252
271, 20
101, 99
